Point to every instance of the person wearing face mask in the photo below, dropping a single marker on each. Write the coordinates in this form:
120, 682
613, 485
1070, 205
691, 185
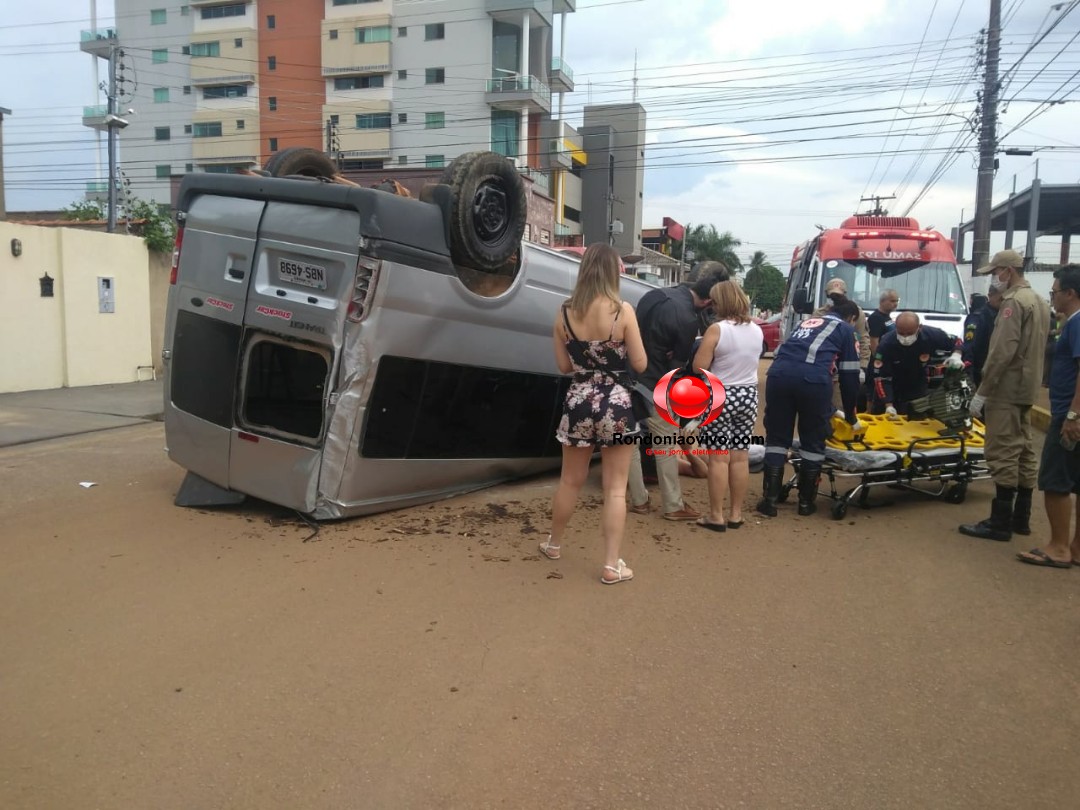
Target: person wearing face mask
898, 372
1011, 378
978, 327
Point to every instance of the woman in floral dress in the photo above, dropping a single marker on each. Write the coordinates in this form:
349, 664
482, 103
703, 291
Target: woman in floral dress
596, 337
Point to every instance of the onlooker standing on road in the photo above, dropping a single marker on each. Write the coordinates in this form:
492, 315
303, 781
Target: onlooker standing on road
730, 350
669, 323
596, 338
978, 328
1059, 469
879, 321
1011, 379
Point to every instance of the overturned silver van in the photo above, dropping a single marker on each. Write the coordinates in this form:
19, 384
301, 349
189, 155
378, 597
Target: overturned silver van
325, 352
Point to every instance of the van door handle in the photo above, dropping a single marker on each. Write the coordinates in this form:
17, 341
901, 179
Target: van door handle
232, 270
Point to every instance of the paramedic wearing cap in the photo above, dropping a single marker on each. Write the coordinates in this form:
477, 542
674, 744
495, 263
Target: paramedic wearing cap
899, 371
978, 327
1011, 379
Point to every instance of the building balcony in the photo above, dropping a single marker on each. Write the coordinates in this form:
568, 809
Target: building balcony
518, 93
512, 10
355, 70
562, 76
560, 154
343, 57
98, 42
94, 117
564, 6
97, 191
541, 180
233, 78
197, 3
363, 143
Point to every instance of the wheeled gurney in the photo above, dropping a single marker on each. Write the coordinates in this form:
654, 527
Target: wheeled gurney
922, 455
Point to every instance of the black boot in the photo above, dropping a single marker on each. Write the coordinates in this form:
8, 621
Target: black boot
772, 481
808, 487
1021, 521
999, 525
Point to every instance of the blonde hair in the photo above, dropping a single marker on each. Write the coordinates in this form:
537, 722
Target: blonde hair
598, 276
730, 302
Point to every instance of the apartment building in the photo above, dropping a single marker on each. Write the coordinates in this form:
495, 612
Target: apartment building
218, 86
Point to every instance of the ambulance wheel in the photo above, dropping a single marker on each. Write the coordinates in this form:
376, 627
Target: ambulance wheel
488, 210
956, 493
839, 509
301, 160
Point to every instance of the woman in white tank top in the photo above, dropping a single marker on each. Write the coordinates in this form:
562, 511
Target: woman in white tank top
730, 349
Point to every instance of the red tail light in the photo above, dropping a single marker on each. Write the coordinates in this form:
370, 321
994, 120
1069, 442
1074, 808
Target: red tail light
176, 253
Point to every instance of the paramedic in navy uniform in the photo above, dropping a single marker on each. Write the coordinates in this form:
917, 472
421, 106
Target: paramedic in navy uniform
898, 370
799, 387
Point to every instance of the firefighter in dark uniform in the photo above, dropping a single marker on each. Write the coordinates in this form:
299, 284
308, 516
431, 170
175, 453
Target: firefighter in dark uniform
799, 387
899, 368
978, 327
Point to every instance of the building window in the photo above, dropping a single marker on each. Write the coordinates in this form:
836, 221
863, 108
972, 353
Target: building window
354, 2
206, 49
189, 167
402, 75
403, 31
273, 144
402, 160
435, 31
375, 33
185, 50
505, 126
333, 33
434, 161
240, 123
187, 89
162, 170
571, 214
357, 82
403, 118
162, 134
185, 10
335, 119
238, 42
187, 129
159, 55
273, 103
434, 120
271, 63
210, 129
217, 12
157, 16
161, 95
226, 91
373, 121
271, 21
435, 76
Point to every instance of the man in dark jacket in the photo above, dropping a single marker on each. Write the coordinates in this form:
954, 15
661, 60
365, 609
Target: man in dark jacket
978, 327
669, 321
898, 371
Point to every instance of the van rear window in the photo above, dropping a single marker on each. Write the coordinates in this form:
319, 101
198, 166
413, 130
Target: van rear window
205, 352
426, 409
284, 386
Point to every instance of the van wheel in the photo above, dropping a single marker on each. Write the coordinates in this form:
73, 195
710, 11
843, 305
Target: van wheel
487, 210
301, 160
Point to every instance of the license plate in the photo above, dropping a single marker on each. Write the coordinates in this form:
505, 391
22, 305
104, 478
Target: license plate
308, 275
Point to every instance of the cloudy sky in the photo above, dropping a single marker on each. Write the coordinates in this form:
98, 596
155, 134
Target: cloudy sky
764, 118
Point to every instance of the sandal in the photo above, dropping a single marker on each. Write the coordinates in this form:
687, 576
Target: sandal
623, 573
550, 551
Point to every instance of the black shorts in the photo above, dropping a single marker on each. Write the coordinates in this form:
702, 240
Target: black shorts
1059, 469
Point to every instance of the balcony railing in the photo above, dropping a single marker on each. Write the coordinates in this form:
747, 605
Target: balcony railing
561, 66
98, 42
541, 180
519, 91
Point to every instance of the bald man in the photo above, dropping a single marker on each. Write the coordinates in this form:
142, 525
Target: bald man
898, 372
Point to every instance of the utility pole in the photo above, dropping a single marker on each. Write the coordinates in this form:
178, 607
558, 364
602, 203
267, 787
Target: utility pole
111, 118
984, 191
877, 210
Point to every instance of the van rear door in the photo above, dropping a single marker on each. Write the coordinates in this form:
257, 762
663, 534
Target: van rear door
294, 319
204, 331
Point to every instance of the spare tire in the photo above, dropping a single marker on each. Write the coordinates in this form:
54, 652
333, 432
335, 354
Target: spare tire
487, 211
301, 160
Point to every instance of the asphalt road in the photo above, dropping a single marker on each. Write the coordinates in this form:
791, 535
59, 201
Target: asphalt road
169, 658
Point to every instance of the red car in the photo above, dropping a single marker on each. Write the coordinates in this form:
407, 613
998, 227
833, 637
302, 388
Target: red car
770, 333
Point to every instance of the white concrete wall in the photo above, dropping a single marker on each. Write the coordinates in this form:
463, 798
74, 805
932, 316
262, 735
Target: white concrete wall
64, 340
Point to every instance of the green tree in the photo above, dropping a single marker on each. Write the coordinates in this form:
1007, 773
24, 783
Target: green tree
708, 243
764, 283
158, 230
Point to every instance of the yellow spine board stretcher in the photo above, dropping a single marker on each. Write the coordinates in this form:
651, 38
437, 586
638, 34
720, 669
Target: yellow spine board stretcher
905, 453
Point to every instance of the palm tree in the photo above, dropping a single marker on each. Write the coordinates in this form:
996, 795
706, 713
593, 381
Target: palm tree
708, 243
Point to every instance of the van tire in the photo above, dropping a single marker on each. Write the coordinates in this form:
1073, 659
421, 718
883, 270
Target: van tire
487, 212
301, 160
